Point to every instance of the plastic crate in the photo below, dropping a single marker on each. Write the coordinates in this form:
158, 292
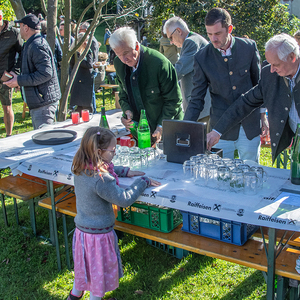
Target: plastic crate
154, 217
223, 230
177, 252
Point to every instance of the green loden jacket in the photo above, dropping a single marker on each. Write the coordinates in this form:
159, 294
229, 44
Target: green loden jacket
153, 87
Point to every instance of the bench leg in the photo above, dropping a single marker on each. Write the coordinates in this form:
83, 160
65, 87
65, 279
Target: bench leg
103, 96
66, 241
16, 211
4, 210
32, 215
282, 287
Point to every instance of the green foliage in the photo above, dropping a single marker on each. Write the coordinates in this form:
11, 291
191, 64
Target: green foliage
33, 7
8, 12
259, 19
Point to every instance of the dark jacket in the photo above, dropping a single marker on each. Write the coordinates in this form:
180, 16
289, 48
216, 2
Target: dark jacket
153, 87
57, 51
82, 88
38, 73
10, 44
274, 93
227, 78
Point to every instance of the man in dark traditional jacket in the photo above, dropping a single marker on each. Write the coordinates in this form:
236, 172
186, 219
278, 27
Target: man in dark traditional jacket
147, 81
278, 90
229, 66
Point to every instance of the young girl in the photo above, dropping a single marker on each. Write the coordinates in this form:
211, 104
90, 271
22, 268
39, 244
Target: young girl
97, 262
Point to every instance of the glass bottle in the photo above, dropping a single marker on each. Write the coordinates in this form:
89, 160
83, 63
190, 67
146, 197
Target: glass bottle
133, 128
143, 131
295, 158
103, 119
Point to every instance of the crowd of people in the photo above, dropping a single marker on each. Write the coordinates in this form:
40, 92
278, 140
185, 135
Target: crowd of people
219, 81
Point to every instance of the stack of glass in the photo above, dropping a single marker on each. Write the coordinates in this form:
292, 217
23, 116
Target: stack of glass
224, 173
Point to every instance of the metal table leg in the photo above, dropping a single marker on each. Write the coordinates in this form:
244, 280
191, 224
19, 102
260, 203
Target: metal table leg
4, 210
271, 263
51, 191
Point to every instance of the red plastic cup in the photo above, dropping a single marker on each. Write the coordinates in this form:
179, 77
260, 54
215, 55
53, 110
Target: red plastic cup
127, 141
85, 115
75, 117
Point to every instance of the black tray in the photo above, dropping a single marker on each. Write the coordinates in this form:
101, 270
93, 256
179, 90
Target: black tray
54, 137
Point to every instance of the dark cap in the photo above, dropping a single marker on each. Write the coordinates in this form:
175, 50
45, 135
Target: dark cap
31, 21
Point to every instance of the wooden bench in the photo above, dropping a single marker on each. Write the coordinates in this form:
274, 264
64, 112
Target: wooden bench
251, 254
25, 108
25, 188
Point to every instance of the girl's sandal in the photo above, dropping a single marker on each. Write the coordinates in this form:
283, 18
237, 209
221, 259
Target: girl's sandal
72, 297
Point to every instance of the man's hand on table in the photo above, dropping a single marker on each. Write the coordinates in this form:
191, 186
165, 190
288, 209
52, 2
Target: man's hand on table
157, 133
212, 138
127, 122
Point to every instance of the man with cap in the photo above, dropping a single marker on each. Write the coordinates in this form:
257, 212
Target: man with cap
38, 79
10, 44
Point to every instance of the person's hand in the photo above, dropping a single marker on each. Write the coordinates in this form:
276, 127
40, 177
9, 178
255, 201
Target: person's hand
13, 82
135, 173
127, 122
212, 138
154, 182
157, 133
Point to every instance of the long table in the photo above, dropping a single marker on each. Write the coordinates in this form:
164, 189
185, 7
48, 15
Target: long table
267, 208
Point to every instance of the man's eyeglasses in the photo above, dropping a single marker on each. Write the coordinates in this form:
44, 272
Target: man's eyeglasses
170, 37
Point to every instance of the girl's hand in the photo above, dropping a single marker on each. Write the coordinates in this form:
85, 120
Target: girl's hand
135, 173
154, 182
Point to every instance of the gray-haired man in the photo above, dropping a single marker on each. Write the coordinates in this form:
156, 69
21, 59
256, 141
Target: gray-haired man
278, 90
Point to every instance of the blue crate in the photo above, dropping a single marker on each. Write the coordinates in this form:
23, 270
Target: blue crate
177, 252
223, 230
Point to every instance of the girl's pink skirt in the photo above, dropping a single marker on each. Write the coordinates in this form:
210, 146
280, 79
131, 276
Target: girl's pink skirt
97, 262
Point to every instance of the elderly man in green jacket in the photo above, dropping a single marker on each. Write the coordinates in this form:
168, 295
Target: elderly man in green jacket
147, 81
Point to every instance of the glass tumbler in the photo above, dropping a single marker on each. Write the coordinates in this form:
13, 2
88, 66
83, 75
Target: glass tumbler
250, 183
261, 175
237, 180
124, 156
199, 173
245, 168
211, 175
188, 169
224, 177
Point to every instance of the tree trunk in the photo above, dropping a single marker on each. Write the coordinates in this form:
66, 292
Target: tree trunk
18, 8
51, 23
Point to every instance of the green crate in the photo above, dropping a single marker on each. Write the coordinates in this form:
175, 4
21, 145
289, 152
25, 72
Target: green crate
154, 217
174, 251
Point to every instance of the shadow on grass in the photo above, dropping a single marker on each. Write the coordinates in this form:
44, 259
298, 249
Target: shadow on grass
242, 291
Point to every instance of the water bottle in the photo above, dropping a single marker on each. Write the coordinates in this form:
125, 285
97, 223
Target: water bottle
143, 132
295, 158
103, 119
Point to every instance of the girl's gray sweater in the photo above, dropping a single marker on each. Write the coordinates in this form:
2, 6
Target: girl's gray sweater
95, 196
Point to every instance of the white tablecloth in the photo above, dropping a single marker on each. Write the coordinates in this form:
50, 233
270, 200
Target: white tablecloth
265, 208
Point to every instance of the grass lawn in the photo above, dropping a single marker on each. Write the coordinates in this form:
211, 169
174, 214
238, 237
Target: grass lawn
29, 270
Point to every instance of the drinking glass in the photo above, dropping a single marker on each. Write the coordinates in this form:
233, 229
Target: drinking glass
250, 183
237, 180
245, 168
199, 173
149, 154
160, 151
261, 175
224, 177
75, 117
188, 169
124, 156
85, 115
135, 160
211, 175
238, 161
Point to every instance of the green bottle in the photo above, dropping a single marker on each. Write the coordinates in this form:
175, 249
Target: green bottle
295, 158
103, 119
133, 128
143, 132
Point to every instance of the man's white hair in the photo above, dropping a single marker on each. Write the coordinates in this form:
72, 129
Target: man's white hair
123, 35
283, 44
173, 23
